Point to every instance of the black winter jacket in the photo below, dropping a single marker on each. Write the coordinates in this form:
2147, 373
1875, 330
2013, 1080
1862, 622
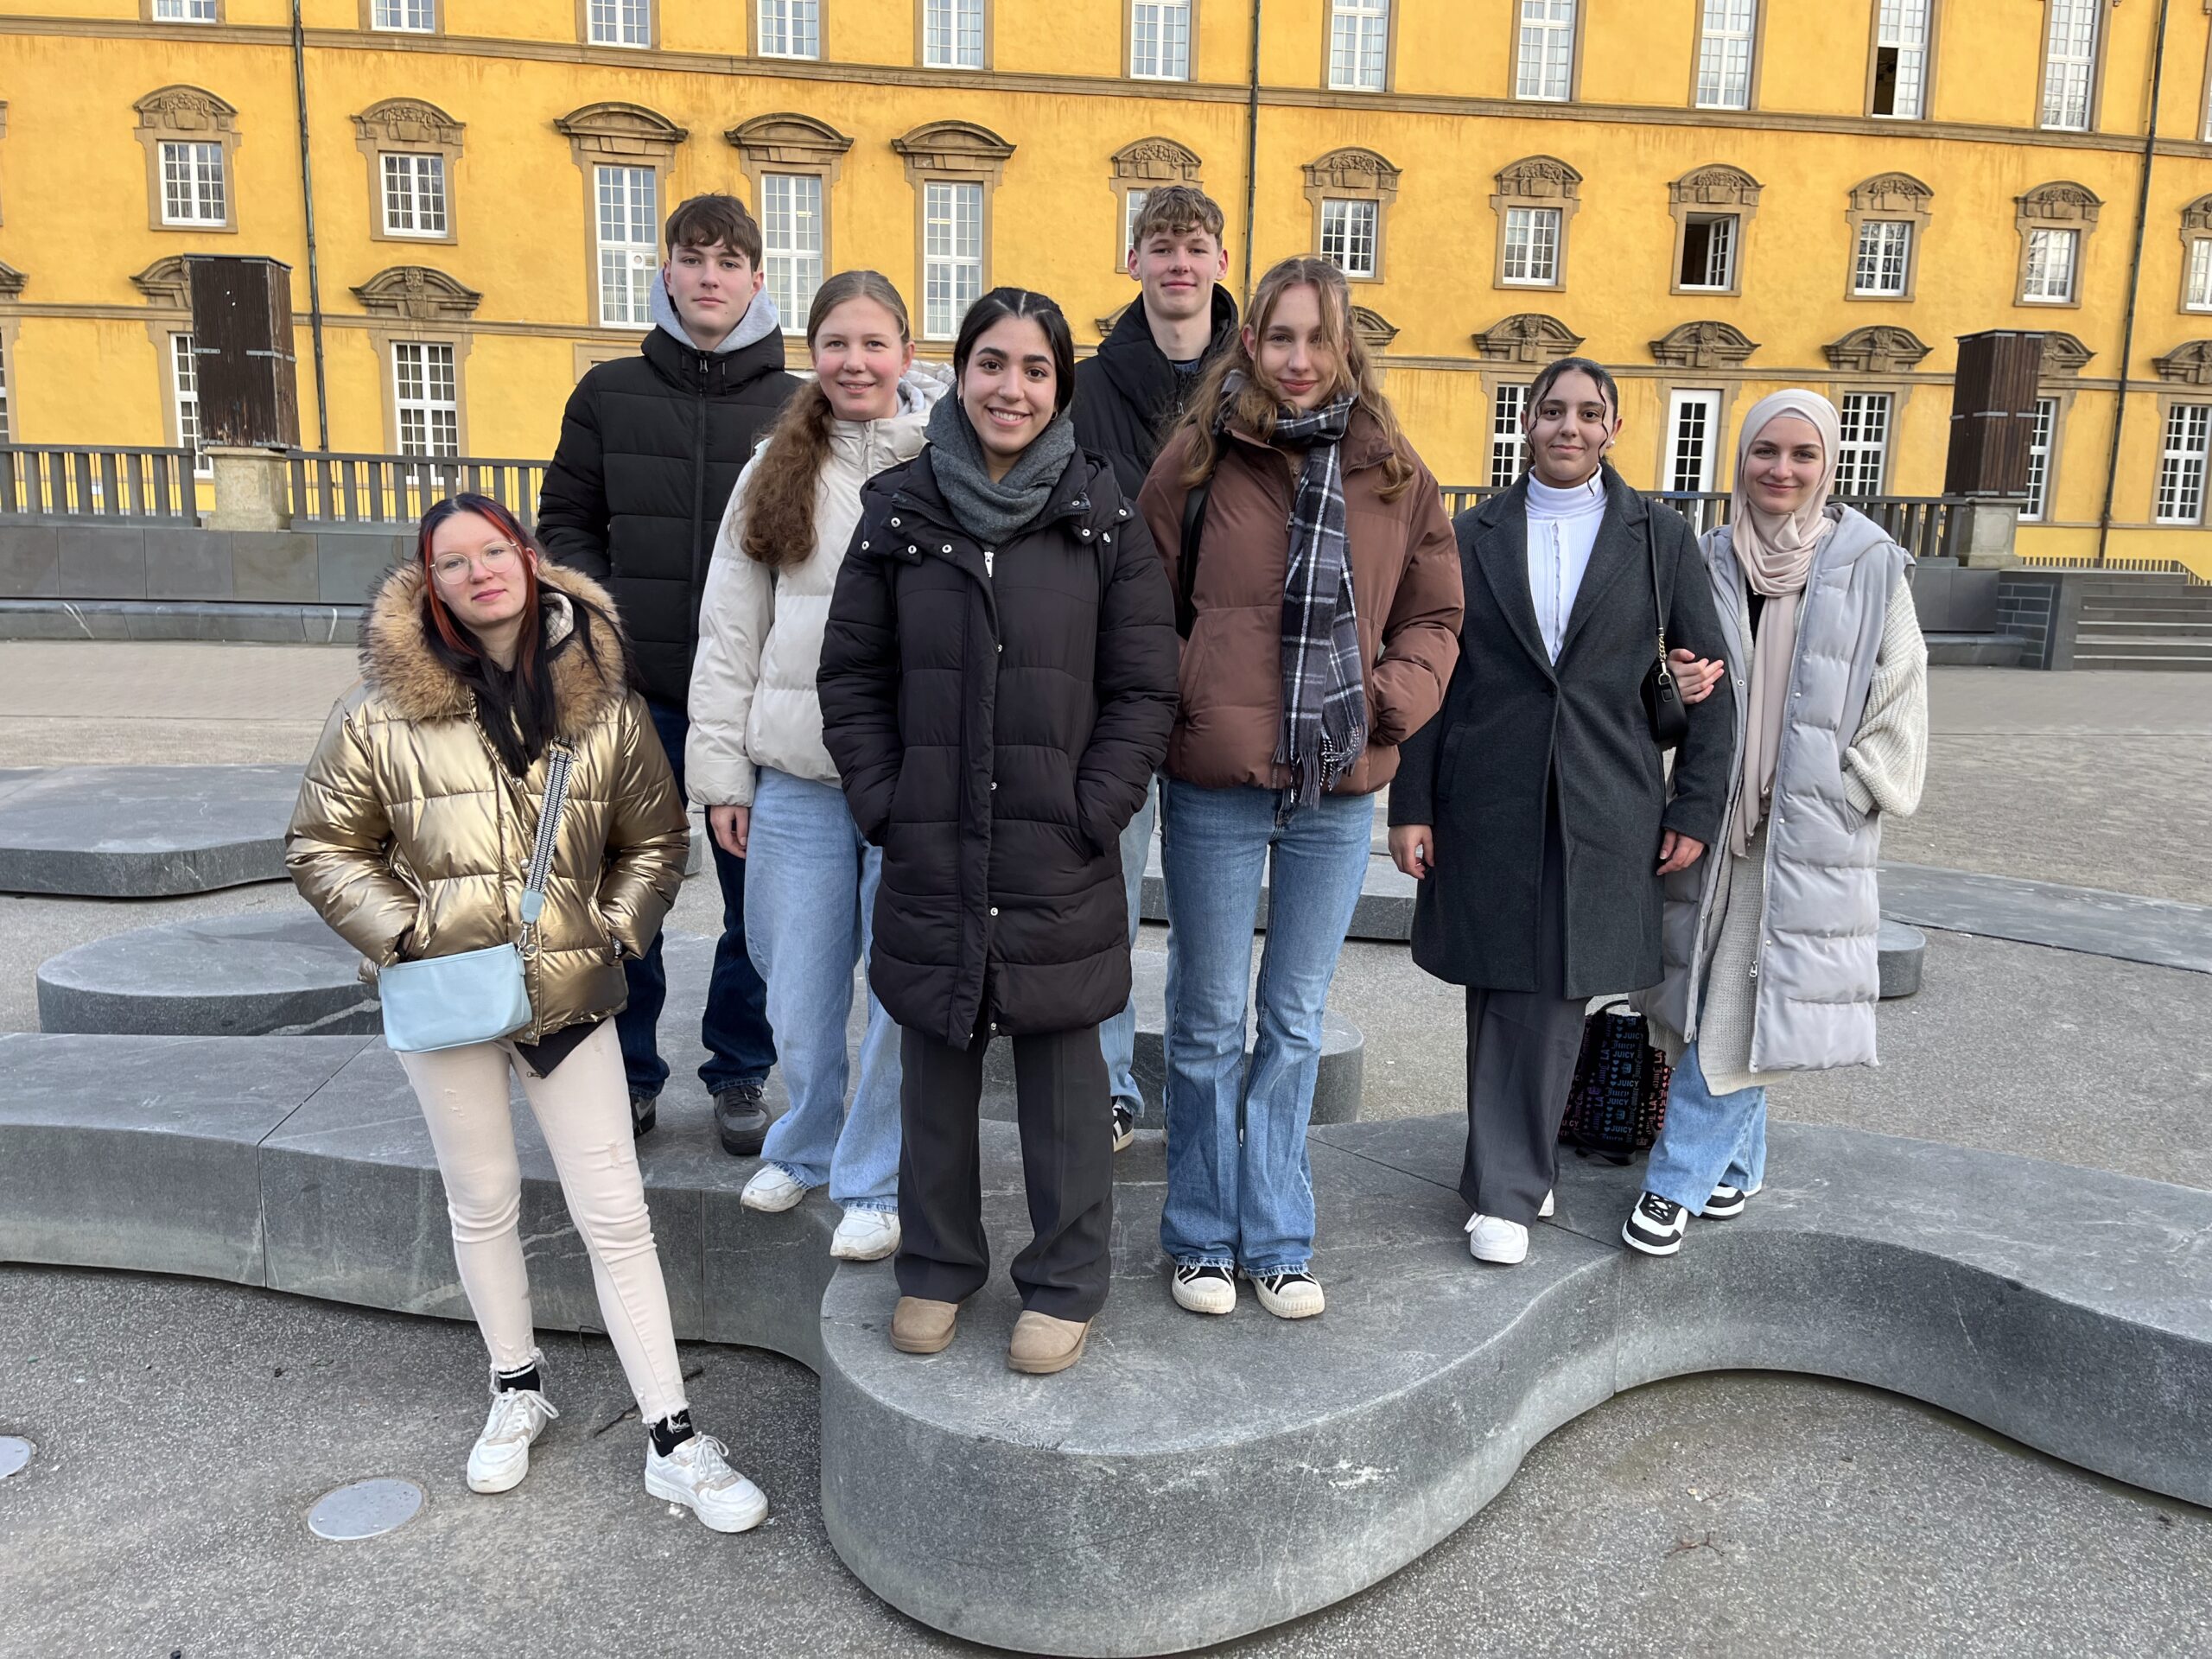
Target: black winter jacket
650, 447
996, 715
1513, 719
1128, 395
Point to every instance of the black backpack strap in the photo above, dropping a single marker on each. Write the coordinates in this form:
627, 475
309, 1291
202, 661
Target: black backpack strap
1194, 529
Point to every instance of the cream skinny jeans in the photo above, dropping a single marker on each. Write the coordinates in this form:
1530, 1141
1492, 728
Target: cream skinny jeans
583, 1110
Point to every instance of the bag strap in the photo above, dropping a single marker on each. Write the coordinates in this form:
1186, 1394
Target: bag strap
559, 759
1658, 606
1194, 527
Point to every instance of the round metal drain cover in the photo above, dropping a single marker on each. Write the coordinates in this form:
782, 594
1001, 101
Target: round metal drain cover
364, 1509
15, 1454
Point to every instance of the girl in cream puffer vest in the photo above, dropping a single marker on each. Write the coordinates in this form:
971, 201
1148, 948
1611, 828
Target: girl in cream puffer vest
755, 759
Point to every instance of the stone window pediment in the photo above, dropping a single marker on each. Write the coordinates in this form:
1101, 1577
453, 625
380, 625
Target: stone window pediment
2063, 355
2197, 216
186, 110
621, 133
1891, 194
1544, 179
2187, 365
11, 282
1530, 338
1718, 186
2061, 203
954, 149
165, 285
1879, 348
1709, 344
789, 139
1352, 171
197, 192
1375, 330
409, 122
418, 294
1151, 161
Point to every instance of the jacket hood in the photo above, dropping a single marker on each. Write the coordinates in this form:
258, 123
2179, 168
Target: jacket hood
1855, 534
760, 320
753, 351
1139, 369
920, 390
398, 666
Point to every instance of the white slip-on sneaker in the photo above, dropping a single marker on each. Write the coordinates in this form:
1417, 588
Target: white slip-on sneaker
695, 1474
771, 1191
500, 1457
1493, 1239
1656, 1226
865, 1236
1545, 1214
1205, 1289
1288, 1295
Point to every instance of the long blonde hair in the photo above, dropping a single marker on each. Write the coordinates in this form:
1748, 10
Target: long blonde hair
779, 501
1255, 406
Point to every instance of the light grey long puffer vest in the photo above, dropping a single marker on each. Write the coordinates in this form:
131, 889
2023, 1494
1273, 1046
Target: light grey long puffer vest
1818, 971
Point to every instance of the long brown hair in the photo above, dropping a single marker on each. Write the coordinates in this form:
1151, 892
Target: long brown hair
779, 501
1254, 405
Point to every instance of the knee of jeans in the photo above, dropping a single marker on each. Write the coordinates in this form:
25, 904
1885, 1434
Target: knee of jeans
614, 1222
479, 1216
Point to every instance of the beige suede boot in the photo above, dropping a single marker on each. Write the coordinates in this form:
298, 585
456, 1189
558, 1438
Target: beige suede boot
1043, 1344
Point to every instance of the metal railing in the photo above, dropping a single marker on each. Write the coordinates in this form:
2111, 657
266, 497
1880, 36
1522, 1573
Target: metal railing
331, 488
1919, 524
2127, 564
97, 482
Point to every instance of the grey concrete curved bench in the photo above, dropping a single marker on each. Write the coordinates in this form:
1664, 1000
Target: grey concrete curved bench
140, 832
1046, 1514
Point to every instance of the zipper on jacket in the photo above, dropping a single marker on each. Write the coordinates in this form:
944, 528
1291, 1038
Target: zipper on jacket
698, 487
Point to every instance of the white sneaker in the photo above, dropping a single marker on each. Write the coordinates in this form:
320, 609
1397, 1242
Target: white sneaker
1545, 1214
695, 1474
1205, 1289
771, 1191
865, 1235
1289, 1295
500, 1457
1492, 1238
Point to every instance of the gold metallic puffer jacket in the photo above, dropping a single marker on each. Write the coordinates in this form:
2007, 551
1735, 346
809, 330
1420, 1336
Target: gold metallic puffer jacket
411, 838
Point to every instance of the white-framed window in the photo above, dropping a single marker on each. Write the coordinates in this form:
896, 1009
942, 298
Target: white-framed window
789, 28
1901, 59
1692, 439
405, 17
1359, 44
2181, 464
424, 395
192, 183
2050, 279
1160, 40
184, 389
1531, 247
620, 23
1132, 210
1508, 444
1348, 234
1724, 54
1862, 450
1546, 61
1884, 261
952, 34
627, 242
1709, 251
184, 11
2038, 497
414, 195
2200, 273
2069, 65
952, 256
791, 242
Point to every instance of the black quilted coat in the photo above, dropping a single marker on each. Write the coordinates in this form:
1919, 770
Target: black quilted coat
650, 447
996, 715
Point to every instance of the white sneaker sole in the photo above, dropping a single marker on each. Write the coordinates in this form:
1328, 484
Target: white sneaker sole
1213, 1297
845, 1250
773, 1203
669, 1492
493, 1484
1648, 1249
1545, 1214
1124, 1139
1284, 1307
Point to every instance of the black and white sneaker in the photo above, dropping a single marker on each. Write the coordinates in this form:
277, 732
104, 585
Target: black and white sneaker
1205, 1289
1726, 1203
1288, 1295
1125, 1126
1656, 1226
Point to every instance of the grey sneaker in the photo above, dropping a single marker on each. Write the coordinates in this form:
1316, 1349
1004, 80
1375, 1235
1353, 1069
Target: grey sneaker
741, 1119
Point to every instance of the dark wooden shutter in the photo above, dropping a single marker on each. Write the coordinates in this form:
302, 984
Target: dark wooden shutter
1993, 412
241, 340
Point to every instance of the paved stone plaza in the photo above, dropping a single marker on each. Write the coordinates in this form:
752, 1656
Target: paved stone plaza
187, 1427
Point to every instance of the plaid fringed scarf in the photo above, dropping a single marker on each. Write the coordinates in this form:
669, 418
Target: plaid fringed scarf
1324, 692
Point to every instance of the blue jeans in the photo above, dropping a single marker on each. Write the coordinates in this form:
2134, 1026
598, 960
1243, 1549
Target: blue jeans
1708, 1139
1117, 1037
810, 910
1240, 1192
735, 1027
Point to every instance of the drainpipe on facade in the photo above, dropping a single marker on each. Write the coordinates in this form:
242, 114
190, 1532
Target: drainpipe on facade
2134, 279
1251, 153
307, 196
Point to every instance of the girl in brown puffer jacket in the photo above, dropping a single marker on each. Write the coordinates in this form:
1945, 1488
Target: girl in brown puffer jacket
412, 838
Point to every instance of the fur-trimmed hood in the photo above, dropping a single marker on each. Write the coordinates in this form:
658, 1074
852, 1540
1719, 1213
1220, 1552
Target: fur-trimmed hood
398, 667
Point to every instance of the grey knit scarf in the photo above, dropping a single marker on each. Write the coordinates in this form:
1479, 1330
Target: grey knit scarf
993, 511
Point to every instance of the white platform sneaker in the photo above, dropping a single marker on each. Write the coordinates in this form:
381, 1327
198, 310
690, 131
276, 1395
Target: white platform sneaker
865, 1236
771, 1191
500, 1457
1492, 1238
695, 1474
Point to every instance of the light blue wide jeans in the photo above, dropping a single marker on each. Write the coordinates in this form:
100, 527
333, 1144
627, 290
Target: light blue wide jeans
1240, 1190
809, 908
1117, 1037
1707, 1141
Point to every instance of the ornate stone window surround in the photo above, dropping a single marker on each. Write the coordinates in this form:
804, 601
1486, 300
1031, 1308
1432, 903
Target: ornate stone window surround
2060, 205
1897, 196
616, 135
2063, 357
409, 126
168, 313
1148, 164
1536, 182
950, 152
1352, 174
789, 142
1718, 188
183, 114
418, 303
2196, 226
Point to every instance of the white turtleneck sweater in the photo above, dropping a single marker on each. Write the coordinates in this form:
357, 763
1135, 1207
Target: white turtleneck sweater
1562, 528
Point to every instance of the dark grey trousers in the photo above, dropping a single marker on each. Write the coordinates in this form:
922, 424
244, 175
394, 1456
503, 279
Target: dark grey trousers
1067, 1161
1521, 1046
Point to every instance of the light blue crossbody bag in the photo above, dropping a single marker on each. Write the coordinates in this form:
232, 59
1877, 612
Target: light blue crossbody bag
478, 996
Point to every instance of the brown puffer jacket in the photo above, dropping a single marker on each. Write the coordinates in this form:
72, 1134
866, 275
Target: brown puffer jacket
408, 828
1405, 578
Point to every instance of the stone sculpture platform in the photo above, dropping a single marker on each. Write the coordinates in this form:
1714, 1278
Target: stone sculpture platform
1046, 1515
144, 832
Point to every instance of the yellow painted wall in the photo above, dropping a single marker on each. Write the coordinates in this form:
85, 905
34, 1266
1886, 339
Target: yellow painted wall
83, 366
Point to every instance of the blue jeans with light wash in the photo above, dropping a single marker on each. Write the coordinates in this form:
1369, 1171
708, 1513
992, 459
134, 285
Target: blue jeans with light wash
1117, 1037
810, 909
1240, 1192
1707, 1141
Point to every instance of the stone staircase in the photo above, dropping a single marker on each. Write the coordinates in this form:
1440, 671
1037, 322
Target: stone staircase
2145, 622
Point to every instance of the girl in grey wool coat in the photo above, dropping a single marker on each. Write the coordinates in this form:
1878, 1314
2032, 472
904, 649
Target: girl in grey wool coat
1771, 946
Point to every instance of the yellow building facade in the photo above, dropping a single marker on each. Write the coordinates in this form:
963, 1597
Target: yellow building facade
1717, 197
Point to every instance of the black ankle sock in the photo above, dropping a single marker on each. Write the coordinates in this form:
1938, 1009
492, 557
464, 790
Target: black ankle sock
671, 1431
524, 1378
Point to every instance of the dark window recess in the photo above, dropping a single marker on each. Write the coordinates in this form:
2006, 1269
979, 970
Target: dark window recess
1708, 252
1885, 81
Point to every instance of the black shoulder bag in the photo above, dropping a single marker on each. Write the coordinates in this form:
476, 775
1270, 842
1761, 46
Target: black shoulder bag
1662, 698
1194, 529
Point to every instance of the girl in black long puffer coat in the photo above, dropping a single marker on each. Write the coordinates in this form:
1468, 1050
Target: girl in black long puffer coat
997, 684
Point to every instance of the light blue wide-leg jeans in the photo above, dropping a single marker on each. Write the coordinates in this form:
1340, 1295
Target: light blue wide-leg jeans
1709, 1140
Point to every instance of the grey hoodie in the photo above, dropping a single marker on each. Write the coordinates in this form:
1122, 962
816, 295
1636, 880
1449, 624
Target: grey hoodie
760, 320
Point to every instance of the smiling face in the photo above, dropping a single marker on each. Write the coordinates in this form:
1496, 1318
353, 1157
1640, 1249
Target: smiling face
1007, 388
1291, 350
858, 355
711, 287
1570, 430
1785, 465
1177, 270
478, 571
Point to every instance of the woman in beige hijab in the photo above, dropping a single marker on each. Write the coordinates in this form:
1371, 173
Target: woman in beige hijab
1771, 951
